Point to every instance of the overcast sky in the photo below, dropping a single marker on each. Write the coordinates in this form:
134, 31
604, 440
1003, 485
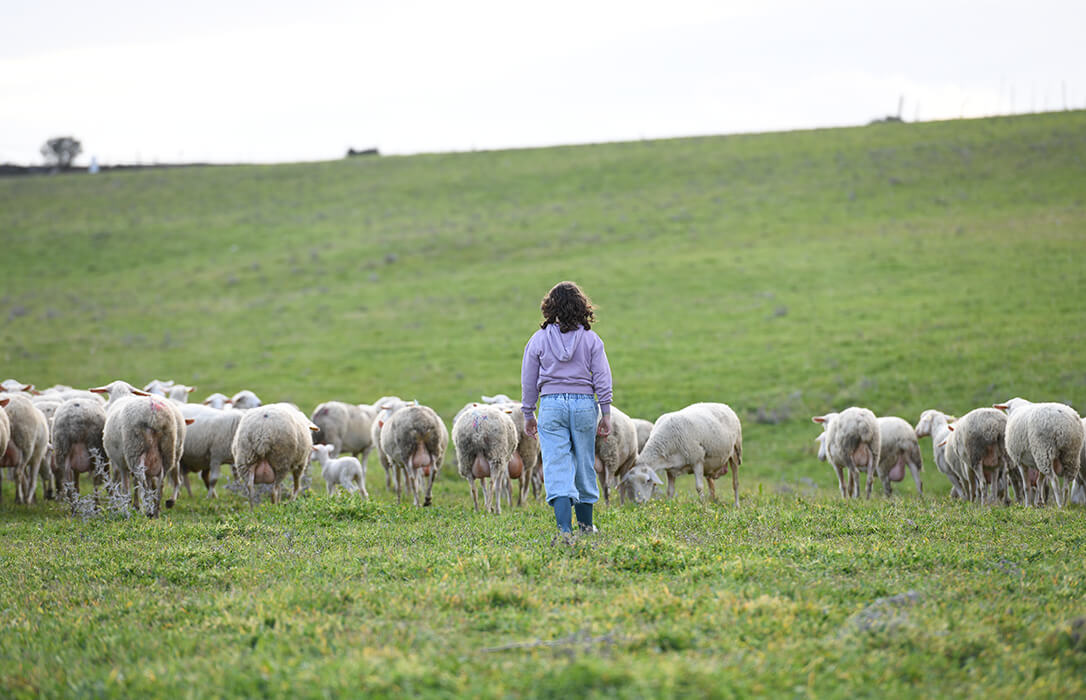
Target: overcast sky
277, 80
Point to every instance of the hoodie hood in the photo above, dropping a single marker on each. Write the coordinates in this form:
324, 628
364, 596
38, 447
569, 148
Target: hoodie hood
562, 345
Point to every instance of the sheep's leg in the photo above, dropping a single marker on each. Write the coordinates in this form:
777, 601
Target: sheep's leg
699, 479
475, 495
915, 469
496, 498
841, 482
670, 485
361, 479
711, 483
1057, 489
735, 483
870, 477
429, 487
297, 474
251, 486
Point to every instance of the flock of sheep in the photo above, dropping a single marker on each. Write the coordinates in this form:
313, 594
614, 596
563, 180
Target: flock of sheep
1032, 449
152, 437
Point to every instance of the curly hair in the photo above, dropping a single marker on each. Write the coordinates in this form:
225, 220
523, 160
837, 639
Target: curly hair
569, 307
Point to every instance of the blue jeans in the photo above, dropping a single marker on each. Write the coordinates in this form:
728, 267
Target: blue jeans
567, 437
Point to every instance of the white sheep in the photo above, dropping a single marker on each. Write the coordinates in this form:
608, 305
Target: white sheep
898, 448
644, 429
497, 398
486, 439
976, 446
851, 443
639, 484
180, 392
385, 407
937, 425
616, 453
245, 399
159, 387
347, 427
5, 437
705, 439
209, 444
27, 443
345, 472
524, 464
1043, 439
78, 429
270, 442
414, 438
142, 438
217, 401
14, 386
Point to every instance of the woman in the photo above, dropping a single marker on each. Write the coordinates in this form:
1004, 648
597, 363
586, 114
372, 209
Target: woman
565, 368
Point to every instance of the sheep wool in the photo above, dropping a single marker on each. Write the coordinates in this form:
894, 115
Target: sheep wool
346, 427
852, 443
936, 424
270, 443
208, 443
78, 428
616, 453
898, 448
414, 438
1044, 441
27, 444
976, 444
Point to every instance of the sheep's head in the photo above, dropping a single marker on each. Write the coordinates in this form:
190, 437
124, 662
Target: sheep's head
639, 484
119, 389
1012, 405
321, 451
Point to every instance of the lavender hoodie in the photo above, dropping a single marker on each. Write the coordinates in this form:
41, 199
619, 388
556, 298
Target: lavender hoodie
564, 363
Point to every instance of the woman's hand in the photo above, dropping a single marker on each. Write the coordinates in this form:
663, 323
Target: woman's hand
531, 427
604, 428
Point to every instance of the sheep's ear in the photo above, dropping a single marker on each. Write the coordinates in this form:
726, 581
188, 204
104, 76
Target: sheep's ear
140, 392
949, 426
4, 402
507, 410
818, 419
190, 421
192, 389
99, 390
1000, 406
656, 478
385, 406
941, 443
314, 428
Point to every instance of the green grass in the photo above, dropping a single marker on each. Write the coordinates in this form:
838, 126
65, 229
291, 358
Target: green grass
899, 267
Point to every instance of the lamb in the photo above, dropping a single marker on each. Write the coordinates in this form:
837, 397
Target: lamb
644, 429
78, 430
217, 401
937, 425
616, 453
346, 472
703, 438
414, 438
26, 445
898, 446
270, 442
385, 407
1043, 439
486, 440
159, 387
209, 444
976, 445
852, 442
347, 427
245, 399
142, 437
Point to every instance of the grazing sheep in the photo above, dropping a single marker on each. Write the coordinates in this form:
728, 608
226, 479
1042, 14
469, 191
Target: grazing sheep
644, 429
269, 443
217, 401
852, 442
1043, 440
78, 429
937, 425
898, 447
180, 392
347, 427
142, 438
385, 407
414, 438
705, 439
346, 472
497, 398
486, 439
976, 445
616, 453
639, 484
14, 386
27, 443
245, 399
209, 442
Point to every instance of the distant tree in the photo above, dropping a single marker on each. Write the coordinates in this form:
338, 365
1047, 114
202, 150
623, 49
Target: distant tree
61, 151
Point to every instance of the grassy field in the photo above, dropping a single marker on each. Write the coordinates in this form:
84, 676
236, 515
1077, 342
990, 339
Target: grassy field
899, 267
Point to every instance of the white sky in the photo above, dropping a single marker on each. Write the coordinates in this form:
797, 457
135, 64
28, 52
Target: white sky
278, 80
